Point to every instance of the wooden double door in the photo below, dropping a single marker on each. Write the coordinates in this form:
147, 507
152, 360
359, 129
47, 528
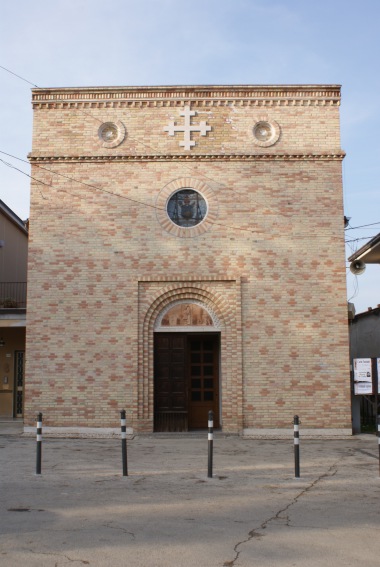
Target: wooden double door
186, 380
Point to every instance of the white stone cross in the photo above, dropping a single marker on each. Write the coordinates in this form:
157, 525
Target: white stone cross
187, 128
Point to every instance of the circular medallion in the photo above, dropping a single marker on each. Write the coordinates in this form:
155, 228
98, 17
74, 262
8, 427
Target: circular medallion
186, 208
265, 133
108, 132
111, 134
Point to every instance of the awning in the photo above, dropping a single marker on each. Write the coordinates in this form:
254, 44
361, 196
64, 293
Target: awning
12, 323
369, 253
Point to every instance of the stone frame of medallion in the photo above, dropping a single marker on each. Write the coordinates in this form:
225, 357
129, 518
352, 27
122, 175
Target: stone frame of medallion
275, 131
121, 134
220, 297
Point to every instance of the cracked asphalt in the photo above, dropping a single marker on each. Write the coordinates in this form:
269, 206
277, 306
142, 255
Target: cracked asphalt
252, 513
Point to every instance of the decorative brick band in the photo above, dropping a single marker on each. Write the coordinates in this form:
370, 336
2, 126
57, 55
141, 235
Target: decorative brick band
264, 103
243, 95
338, 156
189, 278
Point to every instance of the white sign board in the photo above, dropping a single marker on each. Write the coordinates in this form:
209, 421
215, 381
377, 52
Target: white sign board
363, 376
363, 388
362, 370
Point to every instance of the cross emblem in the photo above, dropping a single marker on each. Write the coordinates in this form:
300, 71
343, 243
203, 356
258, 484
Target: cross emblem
187, 128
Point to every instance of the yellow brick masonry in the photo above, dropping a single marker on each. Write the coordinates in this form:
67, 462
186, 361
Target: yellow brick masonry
104, 260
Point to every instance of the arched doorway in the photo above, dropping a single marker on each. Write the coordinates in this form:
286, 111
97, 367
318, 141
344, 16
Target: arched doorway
186, 368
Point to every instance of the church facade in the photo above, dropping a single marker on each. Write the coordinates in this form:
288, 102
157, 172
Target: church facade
186, 254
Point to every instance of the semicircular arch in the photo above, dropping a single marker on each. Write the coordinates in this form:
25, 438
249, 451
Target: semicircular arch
225, 306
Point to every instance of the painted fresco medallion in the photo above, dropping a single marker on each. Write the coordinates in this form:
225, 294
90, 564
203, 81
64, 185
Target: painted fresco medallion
186, 208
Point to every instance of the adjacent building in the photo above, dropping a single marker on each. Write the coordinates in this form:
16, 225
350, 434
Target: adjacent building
365, 339
13, 277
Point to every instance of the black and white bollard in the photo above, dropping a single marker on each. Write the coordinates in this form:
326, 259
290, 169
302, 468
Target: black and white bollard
39, 444
123, 423
296, 447
378, 438
210, 441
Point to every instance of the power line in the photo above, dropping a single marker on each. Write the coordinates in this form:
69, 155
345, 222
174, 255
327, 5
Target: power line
361, 238
71, 179
118, 195
110, 192
363, 226
103, 190
20, 170
145, 145
19, 76
136, 201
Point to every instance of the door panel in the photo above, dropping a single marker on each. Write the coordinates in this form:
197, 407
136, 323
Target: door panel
170, 385
203, 365
186, 381
19, 383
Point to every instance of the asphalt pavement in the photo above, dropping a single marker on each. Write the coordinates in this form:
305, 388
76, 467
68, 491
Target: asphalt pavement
167, 512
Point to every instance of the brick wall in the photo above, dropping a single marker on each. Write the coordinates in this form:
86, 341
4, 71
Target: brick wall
104, 259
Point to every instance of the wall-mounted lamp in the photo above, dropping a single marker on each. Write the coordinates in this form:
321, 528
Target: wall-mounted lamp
2, 342
346, 221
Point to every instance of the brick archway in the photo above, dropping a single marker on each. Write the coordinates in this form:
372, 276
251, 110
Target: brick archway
224, 303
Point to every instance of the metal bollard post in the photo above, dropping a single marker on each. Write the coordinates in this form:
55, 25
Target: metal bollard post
210, 441
123, 423
378, 437
39, 443
296, 447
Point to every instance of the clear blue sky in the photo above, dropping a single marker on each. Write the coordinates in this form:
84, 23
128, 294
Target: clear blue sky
158, 42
